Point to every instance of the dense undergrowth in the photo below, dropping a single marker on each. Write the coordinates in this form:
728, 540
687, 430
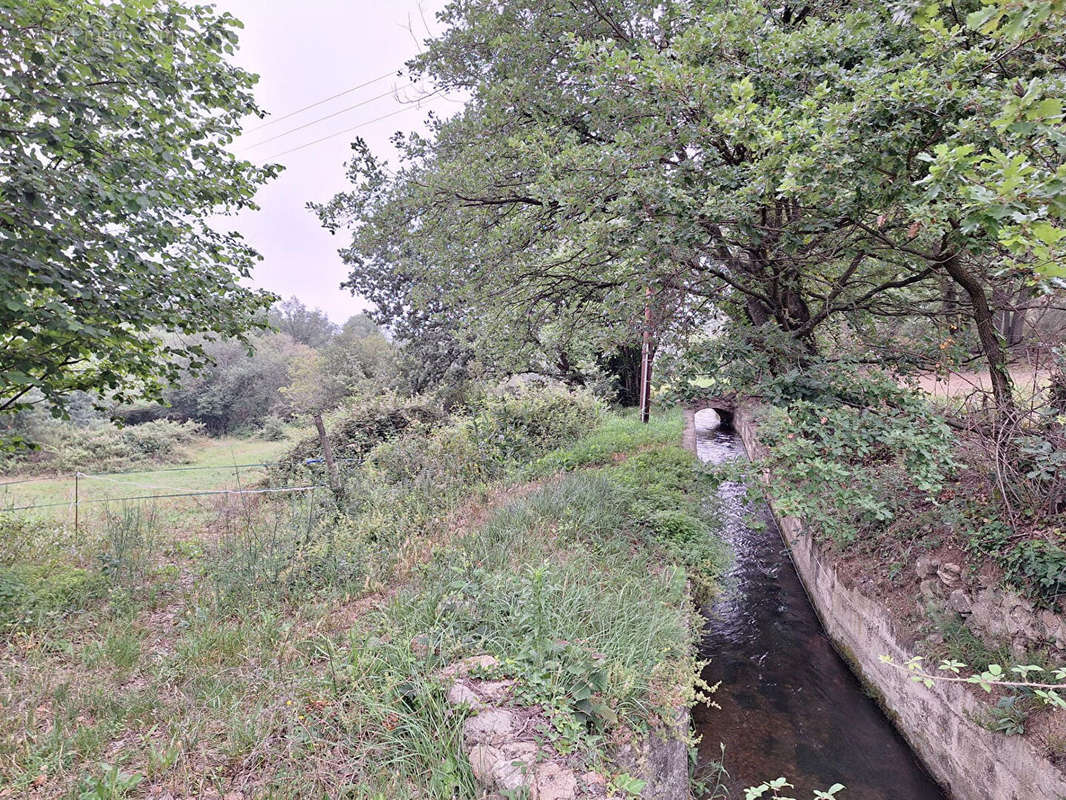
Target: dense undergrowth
291, 650
874, 466
100, 446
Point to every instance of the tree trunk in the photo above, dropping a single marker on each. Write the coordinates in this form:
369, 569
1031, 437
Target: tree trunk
332, 474
1018, 318
991, 344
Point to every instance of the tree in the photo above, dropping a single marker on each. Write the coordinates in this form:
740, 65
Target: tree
360, 325
114, 118
787, 165
242, 384
305, 325
594, 165
357, 361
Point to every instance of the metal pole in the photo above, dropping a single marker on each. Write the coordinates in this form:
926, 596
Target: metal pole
645, 360
76, 500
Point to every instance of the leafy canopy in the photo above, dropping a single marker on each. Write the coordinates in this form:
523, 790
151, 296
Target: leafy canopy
113, 122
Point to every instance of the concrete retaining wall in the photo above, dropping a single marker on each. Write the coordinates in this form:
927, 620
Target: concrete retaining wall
972, 763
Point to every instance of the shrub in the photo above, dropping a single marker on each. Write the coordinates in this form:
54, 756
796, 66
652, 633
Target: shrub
356, 429
844, 459
104, 446
1039, 568
272, 430
520, 424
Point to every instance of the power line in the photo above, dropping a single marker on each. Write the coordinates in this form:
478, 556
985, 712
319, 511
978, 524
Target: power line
346, 130
320, 102
330, 116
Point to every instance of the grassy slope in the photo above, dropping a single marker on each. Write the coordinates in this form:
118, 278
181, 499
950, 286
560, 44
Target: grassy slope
197, 664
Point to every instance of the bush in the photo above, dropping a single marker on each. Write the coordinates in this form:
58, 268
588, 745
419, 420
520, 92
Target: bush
847, 453
520, 424
1039, 569
356, 429
272, 430
64, 447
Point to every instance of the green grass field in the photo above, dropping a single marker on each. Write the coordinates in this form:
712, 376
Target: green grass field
211, 467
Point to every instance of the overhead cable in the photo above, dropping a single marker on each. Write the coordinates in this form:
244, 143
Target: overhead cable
330, 116
321, 102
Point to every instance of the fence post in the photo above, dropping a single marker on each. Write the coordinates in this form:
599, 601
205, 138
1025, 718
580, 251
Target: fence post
331, 467
76, 501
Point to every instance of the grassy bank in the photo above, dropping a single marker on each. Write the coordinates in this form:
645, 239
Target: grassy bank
291, 648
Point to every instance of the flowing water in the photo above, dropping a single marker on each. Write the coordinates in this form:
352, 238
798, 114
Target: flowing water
789, 705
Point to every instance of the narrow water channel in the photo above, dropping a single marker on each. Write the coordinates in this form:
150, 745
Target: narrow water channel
789, 706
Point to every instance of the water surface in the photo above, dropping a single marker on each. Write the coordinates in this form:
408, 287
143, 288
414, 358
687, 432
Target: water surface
789, 705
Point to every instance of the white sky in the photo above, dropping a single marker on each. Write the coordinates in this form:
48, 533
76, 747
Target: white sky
304, 51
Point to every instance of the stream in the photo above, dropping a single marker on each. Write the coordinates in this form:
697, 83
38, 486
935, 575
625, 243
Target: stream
789, 705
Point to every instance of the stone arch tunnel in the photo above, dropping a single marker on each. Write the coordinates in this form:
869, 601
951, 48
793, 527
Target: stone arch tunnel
725, 406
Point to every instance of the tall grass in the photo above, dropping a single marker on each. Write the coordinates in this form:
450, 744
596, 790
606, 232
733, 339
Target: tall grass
294, 650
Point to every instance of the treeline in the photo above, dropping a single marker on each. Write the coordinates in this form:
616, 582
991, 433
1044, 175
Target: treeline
886, 179
247, 384
302, 362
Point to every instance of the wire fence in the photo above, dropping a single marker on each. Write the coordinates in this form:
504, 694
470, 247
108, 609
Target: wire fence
75, 484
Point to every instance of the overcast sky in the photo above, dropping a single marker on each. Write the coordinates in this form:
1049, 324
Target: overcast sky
305, 51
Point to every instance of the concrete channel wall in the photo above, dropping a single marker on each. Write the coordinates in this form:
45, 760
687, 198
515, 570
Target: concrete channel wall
970, 762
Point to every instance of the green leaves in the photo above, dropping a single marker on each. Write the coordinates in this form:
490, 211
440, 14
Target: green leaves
1014, 20
112, 166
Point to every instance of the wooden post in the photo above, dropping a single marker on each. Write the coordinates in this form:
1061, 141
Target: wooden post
645, 360
327, 454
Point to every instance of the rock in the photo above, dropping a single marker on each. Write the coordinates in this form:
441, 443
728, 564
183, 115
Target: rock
1018, 616
495, 692
520, 751
507, 767
1051, 620
926, 566
950, 574
930, 589
960, 601
986, 614
483, 759
488, 727
462, 695
591, 779
554, 782
1055, 627
460, 669
514, 770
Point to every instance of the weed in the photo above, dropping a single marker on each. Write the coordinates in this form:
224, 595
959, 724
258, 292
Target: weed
619, 434
1009, 715
110, 784
267, 655
130, 541
32, 595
